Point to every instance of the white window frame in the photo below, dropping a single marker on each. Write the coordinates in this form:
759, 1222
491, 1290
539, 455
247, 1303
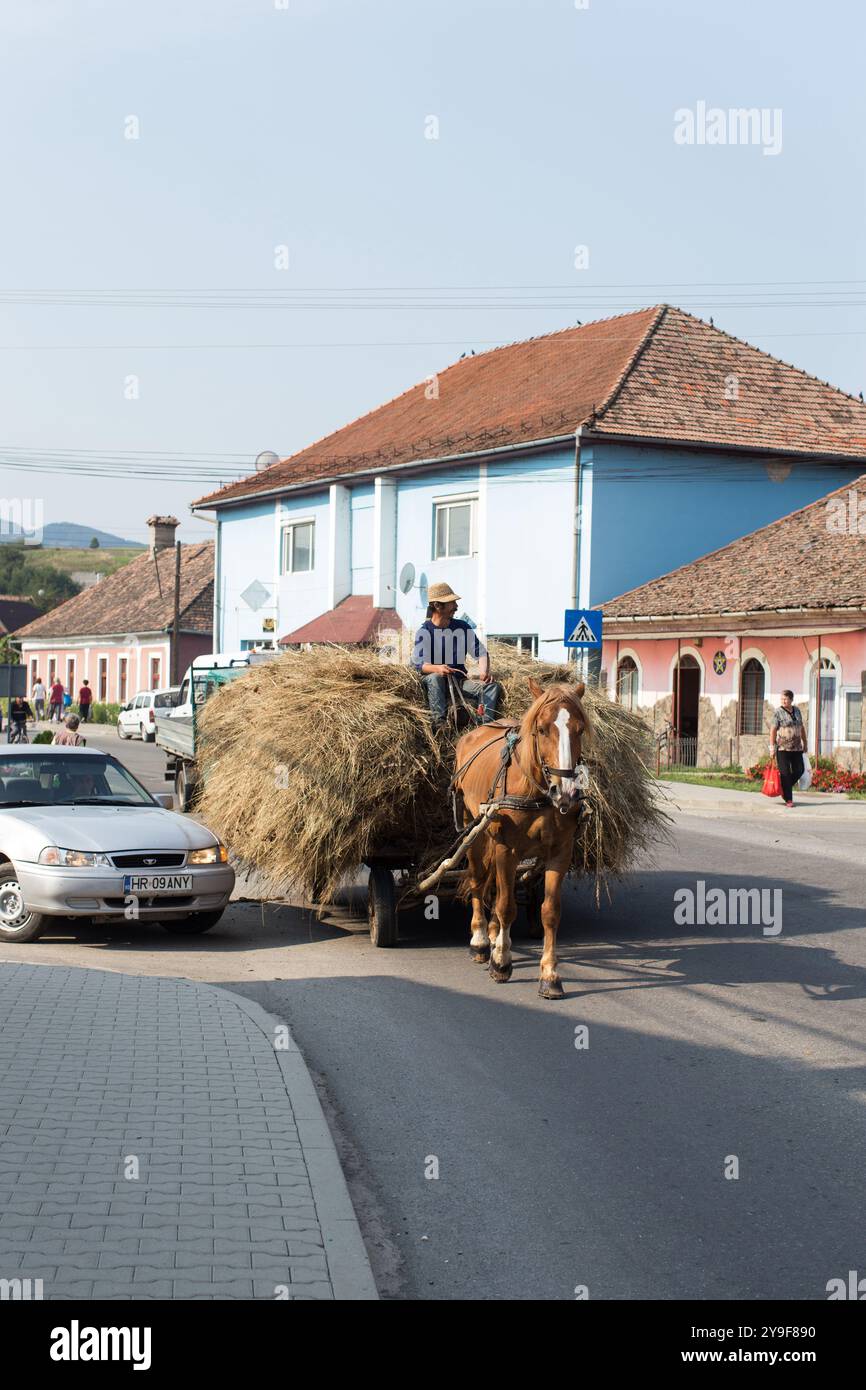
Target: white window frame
523, 641
456, 501
846, 691
834, 672
637, 673
287, 543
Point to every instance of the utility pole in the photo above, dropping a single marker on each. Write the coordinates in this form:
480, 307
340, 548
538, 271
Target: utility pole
175, 634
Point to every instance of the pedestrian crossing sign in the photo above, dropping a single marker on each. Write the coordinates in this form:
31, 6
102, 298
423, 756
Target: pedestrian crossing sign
582, 627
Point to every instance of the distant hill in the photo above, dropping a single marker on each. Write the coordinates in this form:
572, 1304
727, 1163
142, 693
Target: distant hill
68, 535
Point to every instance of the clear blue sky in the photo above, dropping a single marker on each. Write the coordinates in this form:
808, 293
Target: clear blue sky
305, 126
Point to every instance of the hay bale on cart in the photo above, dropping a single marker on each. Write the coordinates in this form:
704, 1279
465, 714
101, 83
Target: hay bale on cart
322, 761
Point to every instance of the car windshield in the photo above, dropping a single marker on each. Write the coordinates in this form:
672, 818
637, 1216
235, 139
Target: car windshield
59, 779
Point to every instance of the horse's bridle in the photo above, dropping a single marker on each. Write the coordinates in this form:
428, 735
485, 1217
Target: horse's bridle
524, 803
548, 772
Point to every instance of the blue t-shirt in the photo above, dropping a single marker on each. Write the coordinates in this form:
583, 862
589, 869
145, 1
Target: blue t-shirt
447, 646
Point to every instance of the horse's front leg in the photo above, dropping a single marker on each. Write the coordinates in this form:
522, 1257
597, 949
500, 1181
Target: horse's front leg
550, 985
506, 860
478, 943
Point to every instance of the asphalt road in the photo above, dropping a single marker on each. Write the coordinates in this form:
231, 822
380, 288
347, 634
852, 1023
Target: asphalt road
561, 1166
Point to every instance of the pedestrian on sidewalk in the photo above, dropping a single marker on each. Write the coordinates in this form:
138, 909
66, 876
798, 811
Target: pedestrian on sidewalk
38, 694
85, 700
788, 743
55, 710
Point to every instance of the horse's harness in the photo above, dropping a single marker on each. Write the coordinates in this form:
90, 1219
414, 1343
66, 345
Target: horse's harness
507, 800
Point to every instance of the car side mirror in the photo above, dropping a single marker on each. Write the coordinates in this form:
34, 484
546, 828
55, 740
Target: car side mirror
165, 800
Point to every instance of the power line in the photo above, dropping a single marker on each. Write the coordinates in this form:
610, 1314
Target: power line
356, 343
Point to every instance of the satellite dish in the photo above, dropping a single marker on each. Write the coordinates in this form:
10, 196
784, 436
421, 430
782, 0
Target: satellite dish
266, 460
422, 590
407, 577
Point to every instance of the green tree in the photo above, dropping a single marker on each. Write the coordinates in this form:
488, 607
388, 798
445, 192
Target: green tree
42, 585
94, 542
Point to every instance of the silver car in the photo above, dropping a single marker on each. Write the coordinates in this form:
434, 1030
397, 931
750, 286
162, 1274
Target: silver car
80, 837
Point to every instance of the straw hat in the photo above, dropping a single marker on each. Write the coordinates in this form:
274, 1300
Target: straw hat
441, 593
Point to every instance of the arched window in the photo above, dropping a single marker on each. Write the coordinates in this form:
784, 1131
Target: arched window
626, 682
752, 698
825, 696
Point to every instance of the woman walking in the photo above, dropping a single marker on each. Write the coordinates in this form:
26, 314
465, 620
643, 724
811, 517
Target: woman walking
788, 742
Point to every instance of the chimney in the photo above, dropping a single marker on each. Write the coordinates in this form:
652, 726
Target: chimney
162, 529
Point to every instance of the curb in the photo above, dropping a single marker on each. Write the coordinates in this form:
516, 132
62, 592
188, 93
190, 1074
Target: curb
761, 806
348, 1263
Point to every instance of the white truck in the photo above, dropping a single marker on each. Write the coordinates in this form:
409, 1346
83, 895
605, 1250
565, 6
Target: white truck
176, 728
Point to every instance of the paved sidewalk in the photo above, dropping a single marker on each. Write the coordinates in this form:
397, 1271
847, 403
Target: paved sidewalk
691, 796
238, 1193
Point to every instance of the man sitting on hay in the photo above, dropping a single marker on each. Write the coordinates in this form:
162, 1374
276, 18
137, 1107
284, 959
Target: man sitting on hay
442, 644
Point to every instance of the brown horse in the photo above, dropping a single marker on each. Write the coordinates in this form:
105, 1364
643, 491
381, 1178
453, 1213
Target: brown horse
541, 782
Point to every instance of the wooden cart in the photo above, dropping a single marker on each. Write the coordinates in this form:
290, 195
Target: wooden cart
387, 894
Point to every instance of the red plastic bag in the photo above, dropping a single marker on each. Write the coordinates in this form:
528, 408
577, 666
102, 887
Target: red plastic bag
772, 781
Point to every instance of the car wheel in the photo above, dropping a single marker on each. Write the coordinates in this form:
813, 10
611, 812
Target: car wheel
149, 736
121, 732
17, 922
194, 926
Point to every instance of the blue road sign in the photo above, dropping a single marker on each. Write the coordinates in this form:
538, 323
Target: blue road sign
582, 627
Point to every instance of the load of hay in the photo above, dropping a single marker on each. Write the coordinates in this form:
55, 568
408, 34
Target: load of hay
319, 760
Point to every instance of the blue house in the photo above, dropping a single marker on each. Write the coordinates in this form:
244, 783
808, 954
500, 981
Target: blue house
544, 475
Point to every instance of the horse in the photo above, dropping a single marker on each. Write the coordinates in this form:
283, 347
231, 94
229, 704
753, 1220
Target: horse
539, 766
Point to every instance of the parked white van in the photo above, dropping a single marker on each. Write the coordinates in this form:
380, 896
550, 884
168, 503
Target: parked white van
138, 718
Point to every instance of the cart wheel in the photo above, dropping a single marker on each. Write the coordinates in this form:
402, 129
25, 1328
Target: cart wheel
382, 906
185, 788
534, 899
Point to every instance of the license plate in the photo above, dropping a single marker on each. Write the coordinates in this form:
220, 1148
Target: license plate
157, 883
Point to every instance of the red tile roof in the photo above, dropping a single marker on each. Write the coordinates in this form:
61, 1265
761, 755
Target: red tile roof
138, 598
804, 560
352, 622
657, 373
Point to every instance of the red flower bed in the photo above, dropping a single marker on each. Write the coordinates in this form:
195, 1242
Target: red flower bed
826, 776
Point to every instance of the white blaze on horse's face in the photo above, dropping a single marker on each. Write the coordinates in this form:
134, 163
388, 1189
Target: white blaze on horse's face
565, 755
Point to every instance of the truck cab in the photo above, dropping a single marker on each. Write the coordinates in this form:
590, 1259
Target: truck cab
176, 728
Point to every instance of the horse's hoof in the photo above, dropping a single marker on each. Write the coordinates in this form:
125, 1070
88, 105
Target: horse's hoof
550, 989
500, 973
480, 954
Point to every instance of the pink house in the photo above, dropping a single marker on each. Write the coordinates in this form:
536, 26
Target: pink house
119, 634
704, 652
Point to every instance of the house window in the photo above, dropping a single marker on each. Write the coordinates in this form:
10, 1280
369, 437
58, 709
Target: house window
102, 679
752, 698
154, 673
523, 641
122, 679
299, 547
52, 671
853, 716
454, 528
823, 692
626, 682
70, 674
34, 670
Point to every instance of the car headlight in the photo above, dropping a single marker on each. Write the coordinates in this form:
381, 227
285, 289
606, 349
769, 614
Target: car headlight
73, 858
214, 854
